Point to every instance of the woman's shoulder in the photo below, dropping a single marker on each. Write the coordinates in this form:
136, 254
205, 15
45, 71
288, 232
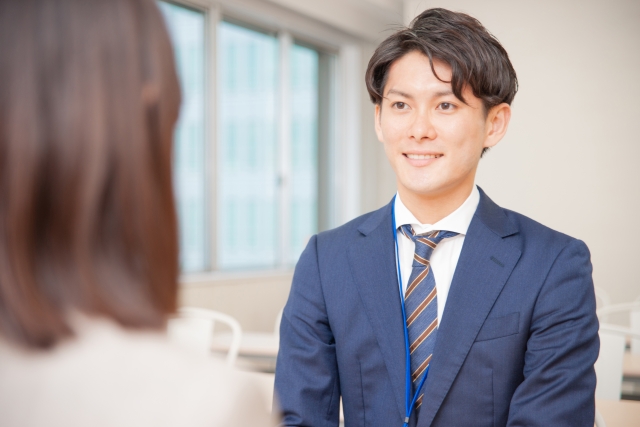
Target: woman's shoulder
108, 375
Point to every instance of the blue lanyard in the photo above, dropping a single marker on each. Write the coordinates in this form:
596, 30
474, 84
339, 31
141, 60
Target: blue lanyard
409, 401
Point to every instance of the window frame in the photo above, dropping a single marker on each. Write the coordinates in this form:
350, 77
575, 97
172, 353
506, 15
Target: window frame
339, 188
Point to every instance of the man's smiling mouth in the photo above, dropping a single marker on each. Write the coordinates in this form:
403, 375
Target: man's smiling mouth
422, 156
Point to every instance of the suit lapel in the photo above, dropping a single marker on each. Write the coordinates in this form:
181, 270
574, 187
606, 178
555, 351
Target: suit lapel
373, 266
485, 263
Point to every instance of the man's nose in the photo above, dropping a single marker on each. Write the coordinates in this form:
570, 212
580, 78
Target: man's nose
422, 127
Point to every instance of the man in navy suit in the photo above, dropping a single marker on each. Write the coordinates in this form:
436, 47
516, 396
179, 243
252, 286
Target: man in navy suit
509, 334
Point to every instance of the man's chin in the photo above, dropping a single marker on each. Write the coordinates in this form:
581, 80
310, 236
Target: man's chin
422, 189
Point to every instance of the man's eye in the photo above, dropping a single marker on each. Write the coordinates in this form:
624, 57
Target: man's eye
400, 105
446, 106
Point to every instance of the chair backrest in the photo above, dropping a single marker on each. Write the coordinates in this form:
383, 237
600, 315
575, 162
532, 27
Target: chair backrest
632, 309
599, 421
610, 361
194, 327
635, 325
276, 326
602, 300
602, 297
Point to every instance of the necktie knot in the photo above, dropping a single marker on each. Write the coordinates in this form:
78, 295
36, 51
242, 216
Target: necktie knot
425, 243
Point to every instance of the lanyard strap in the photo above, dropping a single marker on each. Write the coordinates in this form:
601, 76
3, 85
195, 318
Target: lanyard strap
409, 401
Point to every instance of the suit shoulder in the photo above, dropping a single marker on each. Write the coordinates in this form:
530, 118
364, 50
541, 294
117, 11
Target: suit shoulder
534, 233
345, 232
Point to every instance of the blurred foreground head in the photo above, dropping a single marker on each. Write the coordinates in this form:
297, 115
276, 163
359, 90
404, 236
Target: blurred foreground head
88, 102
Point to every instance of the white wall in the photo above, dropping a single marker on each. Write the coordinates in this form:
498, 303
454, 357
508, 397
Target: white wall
252, 299
570, 158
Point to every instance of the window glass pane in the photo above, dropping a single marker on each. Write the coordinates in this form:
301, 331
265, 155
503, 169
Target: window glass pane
186, 28
304, 148
247, 191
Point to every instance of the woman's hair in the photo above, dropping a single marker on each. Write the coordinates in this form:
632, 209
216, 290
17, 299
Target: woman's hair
88, 101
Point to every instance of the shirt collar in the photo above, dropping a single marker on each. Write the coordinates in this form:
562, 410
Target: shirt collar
457, 221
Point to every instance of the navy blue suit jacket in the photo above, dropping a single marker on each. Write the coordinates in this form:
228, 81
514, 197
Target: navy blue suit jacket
515, 347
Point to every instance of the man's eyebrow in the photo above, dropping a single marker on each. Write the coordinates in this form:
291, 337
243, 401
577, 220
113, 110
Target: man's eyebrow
439, 94
399, 92
443, 93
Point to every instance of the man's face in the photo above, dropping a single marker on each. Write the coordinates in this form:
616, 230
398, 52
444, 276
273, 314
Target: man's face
432, 139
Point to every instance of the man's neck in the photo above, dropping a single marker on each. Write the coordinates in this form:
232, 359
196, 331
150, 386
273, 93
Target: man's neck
431, 209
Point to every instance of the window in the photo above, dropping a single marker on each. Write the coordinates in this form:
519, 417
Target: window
247, 184
268, 148
186, 28
271, 137
304, 148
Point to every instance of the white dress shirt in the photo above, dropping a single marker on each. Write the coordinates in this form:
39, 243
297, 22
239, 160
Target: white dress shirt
444, 258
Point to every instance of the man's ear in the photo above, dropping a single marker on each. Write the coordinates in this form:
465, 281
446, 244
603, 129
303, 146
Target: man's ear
378, 112
497, 124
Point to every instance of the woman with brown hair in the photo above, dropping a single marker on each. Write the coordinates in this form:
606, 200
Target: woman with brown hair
88, 249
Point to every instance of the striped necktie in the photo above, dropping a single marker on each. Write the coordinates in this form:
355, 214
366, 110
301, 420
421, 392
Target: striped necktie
421, 303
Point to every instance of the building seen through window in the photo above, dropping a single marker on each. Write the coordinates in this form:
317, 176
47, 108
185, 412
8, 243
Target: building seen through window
186, 28
248, 172
247, 166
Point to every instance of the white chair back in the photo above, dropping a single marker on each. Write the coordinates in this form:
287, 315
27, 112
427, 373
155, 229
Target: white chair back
635, 326
599, 419
610, 361
602, 297
602, 300
194, 327
609, 364
276, 326
632, 309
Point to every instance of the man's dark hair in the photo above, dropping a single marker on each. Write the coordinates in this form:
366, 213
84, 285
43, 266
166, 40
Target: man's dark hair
475, 56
